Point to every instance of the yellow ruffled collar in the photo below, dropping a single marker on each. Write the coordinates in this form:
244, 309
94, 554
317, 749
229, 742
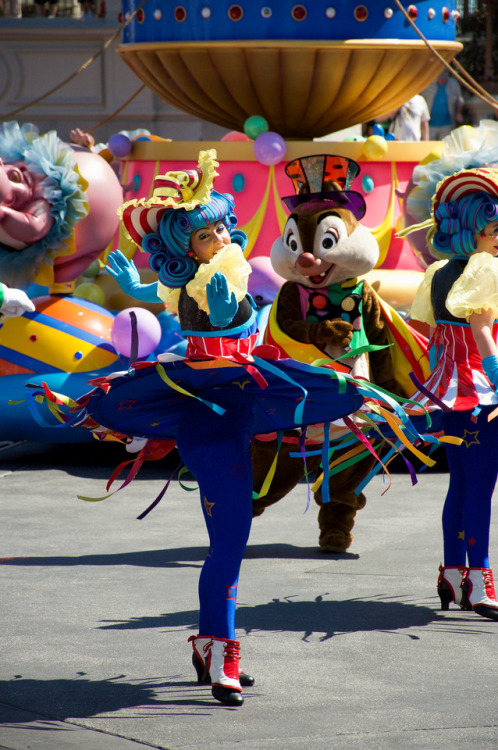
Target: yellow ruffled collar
229, 261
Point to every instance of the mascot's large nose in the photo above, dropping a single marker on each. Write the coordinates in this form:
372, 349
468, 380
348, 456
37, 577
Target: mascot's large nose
306, 260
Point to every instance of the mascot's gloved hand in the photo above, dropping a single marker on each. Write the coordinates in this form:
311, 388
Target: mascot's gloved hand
14, 302
222, 305
490, 367
334, 332
126, 274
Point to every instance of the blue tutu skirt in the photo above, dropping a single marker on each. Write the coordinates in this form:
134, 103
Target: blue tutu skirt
152, 400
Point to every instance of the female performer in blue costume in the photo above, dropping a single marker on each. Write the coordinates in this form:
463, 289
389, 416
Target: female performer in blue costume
219, 396
458, 298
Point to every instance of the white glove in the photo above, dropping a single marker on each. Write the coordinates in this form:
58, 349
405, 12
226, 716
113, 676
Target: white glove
15, 302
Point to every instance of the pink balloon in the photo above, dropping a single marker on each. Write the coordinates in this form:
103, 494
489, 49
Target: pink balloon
148, 330
235, 135
269, 148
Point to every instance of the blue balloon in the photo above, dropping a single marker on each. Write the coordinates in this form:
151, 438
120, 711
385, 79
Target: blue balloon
390, 137
378, 129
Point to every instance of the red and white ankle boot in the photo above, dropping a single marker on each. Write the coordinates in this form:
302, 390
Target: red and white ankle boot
449, 586
480, 589
201, 645
224, 670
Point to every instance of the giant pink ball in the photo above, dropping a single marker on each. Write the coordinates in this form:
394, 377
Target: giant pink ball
269, 148
148, 330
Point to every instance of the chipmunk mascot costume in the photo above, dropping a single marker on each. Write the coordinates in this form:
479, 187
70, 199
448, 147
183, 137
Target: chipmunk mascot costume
325, 311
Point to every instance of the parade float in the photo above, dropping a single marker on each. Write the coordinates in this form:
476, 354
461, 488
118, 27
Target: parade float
276, 76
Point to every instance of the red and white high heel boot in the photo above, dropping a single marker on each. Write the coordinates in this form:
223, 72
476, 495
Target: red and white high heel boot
480, 590
449, 587
201, 645
224, 670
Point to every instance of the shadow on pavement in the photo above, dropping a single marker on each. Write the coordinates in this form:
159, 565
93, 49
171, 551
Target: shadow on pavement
174, 558
321, 617
61, 699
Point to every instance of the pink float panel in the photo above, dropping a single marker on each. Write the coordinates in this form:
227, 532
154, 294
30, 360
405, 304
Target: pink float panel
257, 189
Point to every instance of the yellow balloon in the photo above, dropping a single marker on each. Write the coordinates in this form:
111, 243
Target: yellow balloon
375, 147
91, 292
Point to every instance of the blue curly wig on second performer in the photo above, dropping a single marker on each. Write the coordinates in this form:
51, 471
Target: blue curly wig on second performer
459, 221
169, 250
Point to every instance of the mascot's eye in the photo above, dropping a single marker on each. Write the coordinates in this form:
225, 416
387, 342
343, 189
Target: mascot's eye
15, 176
291, 243
329, 241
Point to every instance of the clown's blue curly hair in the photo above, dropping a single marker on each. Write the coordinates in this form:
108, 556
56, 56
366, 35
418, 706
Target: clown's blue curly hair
168, 249
460, 220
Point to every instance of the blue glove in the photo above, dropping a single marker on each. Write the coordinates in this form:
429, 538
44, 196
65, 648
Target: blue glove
222, 305
126, 274
490, 367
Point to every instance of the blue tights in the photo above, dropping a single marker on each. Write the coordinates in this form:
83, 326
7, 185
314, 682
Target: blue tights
473, 468
217, 452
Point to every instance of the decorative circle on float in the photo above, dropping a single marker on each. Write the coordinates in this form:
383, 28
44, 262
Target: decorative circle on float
158, 14
431, 13
180, 14
361, 13
140, 16
446, 15
412, 12
206, 12
238, 182
388, 12
266, 12
330, 12
299, 13
367, 184
235, 13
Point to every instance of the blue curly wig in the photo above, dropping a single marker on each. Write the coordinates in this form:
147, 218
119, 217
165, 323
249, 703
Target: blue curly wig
460, 221
168, 249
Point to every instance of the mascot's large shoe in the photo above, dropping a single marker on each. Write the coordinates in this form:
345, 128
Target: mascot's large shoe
336, 521
201, 646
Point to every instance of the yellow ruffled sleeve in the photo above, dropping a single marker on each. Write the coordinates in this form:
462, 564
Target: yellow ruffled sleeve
231, 263
421, 305
169, 296
477, 288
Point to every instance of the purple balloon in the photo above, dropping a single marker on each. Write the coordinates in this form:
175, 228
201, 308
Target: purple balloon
119, 145
148, 330
269, 148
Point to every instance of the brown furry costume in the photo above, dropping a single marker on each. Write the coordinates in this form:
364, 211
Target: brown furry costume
321, 253
337, 517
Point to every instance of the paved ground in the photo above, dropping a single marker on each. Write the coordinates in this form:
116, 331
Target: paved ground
349, 651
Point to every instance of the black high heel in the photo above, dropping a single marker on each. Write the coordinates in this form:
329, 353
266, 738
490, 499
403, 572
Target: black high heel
450, 587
